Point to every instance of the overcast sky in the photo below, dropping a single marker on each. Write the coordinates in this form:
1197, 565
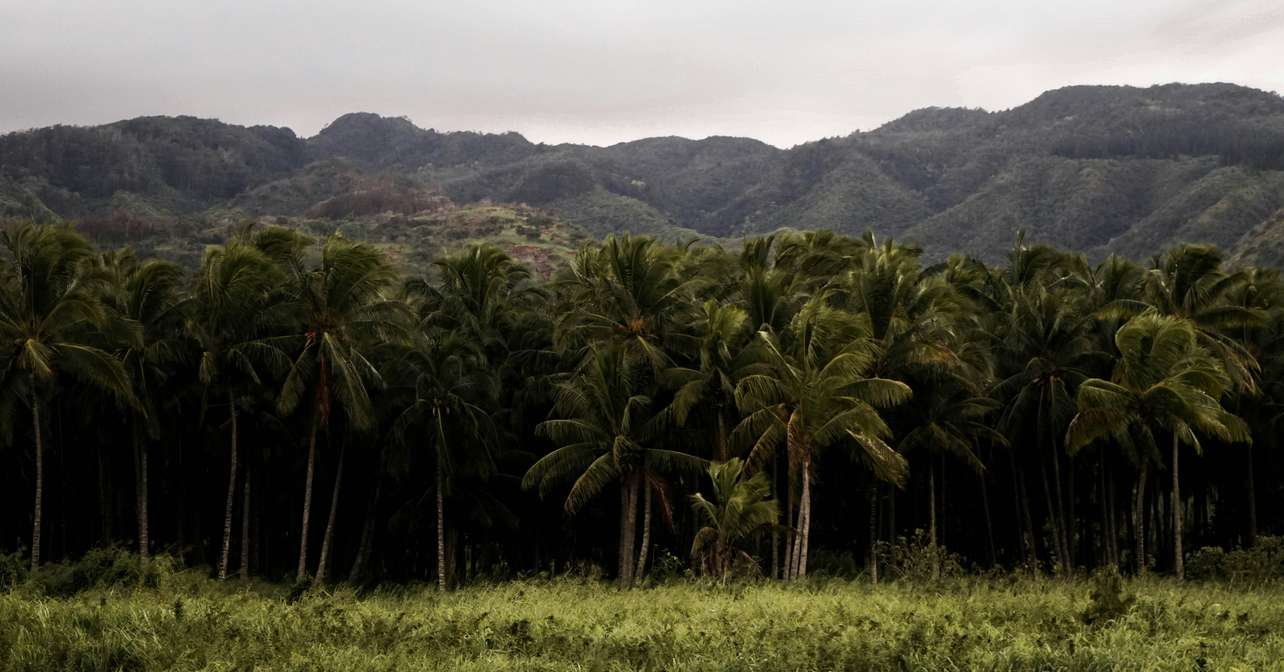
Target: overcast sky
602, 71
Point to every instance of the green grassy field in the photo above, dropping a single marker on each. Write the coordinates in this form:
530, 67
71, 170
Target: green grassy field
190, 623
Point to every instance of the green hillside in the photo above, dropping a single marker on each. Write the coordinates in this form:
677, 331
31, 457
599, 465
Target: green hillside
1094, 168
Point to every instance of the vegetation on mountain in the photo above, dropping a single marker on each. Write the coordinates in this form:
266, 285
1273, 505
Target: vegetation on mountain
1097, 169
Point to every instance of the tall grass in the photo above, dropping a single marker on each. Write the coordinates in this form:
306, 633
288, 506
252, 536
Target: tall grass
184, 621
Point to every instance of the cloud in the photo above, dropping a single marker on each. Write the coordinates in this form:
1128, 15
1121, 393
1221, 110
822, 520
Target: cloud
605, 71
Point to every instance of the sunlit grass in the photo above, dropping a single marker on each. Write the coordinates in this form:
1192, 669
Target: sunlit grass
189, 623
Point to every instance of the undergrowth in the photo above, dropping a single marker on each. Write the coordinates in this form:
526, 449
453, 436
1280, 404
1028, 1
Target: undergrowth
162, 618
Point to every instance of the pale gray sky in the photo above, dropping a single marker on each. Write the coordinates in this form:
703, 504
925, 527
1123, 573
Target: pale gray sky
601, 71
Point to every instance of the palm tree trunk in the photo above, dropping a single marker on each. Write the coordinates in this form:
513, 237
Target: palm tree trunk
1059, 513
245, 522
873, 534
1139, 519
366, 546
1025, 524
1107, 522
1251, 494
1059, 552
441, 525
38, 508
231, 495
989, 521
931, 508
323, 563
640, 571
307, 498
775, 531
140, 495
791, 538
723, 452
1179, 567
623, 552
104, 501
804, 516
629, 531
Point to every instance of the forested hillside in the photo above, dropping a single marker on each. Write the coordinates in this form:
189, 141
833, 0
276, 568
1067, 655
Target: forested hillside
1097, 169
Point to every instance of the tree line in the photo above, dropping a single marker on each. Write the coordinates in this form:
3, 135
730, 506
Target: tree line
301, 409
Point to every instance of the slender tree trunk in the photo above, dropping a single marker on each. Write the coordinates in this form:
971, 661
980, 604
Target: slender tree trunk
441, 525
630, 529
775, 531
231, 495
804, 522
989, 522
873, 534
931, 509
1107, 522
104, 501
327, 540
366, 546
38, 508
640, 571
622, 571
245, 521
723, 452
307, 498
1251, 494
1139, 519
1059, 513
1053, 520
140, 496
791, 535
1179, 565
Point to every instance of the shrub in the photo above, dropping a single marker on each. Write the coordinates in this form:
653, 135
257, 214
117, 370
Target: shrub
1108, 599
1261, 562
917, 559
111, 567
13, 570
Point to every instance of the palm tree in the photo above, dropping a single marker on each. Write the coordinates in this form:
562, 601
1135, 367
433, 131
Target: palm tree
1164, 382
604, 429
950, 417
741, 508
451, 388
723, 334
811, 393
48, 310
344, 308
1046, 351
628, 293
235, 320
1188, 282
145, 298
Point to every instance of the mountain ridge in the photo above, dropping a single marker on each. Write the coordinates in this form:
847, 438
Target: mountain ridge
1099, 169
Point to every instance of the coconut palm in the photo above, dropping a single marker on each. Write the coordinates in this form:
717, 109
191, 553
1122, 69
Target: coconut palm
345, 307
604, 427
145, 299
723, 333
1165, 382
1188, 282
811, 392
1047, 351
626, 292
741, 507
236, 321
450, 390
950, 422
48, 311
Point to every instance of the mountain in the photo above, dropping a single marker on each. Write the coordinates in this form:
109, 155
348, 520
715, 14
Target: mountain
1095, 168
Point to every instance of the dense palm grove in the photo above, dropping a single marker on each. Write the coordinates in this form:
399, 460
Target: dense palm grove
297, 409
